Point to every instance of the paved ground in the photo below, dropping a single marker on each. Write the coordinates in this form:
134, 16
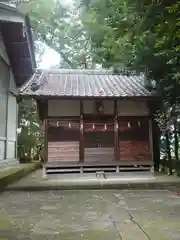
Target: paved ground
112, 180
90, 215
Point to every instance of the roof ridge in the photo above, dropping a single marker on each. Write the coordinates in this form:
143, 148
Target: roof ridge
74, 71
26, 84
6, 6
124, 72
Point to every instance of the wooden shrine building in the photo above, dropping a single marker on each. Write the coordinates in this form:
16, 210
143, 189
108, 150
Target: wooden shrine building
95, 119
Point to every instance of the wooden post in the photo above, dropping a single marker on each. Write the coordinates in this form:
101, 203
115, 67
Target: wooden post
45, 140
155, 133
81, 143
116, 133
156, 145
151, 140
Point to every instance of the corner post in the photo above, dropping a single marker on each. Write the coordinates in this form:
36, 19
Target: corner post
45, 140
81, 142
150, 139
154, 134
116, 133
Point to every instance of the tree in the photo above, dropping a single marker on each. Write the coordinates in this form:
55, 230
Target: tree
143, 36
119, 34
61, 29
30, 134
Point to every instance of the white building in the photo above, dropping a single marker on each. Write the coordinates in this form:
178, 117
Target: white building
17, 64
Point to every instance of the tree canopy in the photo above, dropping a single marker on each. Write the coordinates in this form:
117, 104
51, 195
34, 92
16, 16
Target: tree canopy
120, 34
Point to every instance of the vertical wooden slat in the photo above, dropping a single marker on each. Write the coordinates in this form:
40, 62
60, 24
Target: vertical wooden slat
116, 133
45, 140
81, 143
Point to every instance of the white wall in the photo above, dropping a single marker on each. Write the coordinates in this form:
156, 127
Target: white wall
72, 107
12, 127
132, 108
4, 75
8, 109
11, 150
64, 108
2, 149
89, 106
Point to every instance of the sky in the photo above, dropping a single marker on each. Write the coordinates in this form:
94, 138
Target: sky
49, 58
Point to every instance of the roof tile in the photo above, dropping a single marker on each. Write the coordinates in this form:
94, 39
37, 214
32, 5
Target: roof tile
83, 83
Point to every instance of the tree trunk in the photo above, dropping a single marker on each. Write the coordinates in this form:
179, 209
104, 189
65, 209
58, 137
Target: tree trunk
176, 143
156, 145
168, 152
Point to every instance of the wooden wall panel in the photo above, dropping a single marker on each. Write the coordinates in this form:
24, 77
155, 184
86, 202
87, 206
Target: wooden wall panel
134, 150
99, 154
63, 151
134, 141
63, 140
98, 140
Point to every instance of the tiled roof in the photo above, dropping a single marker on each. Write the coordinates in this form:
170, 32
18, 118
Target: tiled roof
84, 83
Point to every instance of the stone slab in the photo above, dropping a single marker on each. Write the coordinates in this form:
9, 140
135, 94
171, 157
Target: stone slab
36, 181
90, 214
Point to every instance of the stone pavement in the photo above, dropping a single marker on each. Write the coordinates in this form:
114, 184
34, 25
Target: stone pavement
90, 215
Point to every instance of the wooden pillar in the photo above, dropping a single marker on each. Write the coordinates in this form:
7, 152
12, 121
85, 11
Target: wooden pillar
150, 139
155, 134
116, 133
156, 145
81, 143
45, 140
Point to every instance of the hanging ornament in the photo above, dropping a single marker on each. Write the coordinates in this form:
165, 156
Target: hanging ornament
105, 127
93, 126
129, 124
69, 125
139, 124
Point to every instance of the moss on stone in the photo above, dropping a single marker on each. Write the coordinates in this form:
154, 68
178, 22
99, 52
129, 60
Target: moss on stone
12, 174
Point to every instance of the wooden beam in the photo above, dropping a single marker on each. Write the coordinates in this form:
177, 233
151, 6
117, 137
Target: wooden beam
81, 143
116, 133
45, 140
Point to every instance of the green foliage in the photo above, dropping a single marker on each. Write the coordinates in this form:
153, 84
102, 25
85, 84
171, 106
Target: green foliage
111, 27
60, 28
136, 35
30, 135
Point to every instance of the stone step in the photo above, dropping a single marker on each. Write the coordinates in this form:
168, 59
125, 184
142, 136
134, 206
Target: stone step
94, 169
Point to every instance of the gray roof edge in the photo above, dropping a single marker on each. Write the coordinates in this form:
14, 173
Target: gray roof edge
10, 8
86, 72
26, 84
